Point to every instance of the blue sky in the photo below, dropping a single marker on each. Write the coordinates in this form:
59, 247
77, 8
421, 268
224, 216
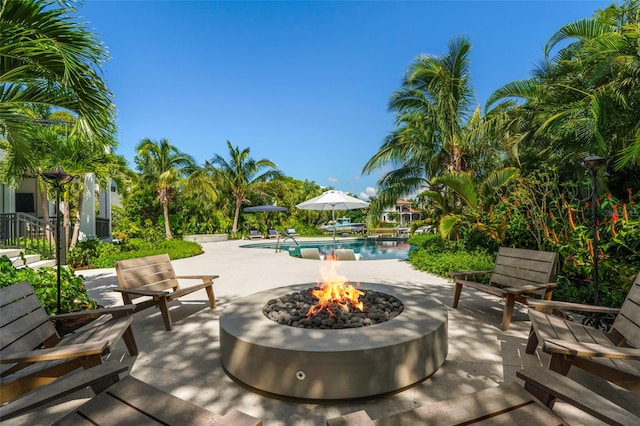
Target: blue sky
306, 83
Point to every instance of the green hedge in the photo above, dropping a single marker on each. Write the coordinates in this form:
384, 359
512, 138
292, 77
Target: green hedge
96, 254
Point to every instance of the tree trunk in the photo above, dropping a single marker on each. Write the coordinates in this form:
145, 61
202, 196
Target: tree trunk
236, 216
163, 197
167, 226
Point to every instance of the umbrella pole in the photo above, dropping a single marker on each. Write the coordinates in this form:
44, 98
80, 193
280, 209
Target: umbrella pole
333, 217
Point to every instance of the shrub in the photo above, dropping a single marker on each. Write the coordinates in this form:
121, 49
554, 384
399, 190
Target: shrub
96, 254
439, 257
73, 293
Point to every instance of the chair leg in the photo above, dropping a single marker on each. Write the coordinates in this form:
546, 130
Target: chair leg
164, 310
456, 294
212, 300
532, 343
508, 311
560, 363
130, 341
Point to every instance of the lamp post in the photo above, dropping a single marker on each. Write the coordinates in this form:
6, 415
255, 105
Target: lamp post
58, 178
593, 163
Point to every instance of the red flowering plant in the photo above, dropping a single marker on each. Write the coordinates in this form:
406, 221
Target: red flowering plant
545, 215
618, 248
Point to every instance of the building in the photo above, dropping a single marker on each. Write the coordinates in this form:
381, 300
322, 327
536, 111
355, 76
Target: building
25, 202
401, 213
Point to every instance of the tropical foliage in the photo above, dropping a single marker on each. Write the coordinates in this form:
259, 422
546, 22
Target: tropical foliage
47, 58
74, 295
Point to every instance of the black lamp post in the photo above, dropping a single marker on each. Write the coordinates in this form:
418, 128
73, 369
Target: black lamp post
58, 178
593, 163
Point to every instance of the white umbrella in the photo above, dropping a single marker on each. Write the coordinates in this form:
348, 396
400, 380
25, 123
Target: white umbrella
333, 200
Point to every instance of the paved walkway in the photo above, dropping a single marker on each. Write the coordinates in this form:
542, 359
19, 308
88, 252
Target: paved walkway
186, 361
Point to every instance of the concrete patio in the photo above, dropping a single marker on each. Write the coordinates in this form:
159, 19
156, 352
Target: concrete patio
186, 361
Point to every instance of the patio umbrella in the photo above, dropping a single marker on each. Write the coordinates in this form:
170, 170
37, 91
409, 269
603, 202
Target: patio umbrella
333, 200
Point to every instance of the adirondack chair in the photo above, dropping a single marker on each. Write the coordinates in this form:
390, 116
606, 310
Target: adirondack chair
32, 353
97, 378
154, 277
613, 355
506, 404
516, 273
134, 402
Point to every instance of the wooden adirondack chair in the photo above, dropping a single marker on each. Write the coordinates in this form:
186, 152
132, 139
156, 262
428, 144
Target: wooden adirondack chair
506, 404
154, 277
613, 355
32, 353
516, 273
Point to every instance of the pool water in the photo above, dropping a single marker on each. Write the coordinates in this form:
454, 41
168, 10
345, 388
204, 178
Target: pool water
368, 248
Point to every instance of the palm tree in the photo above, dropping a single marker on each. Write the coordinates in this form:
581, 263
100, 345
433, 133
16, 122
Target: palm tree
471, 200
584, 99
163, 166
435, 123
241, 175
47, 58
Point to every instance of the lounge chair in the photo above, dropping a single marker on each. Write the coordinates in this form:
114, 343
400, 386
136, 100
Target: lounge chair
254, 234
508, 403
613, 355
272, 233
310, 253
32, 353
516, 274
291, 232
153, 277
344, 254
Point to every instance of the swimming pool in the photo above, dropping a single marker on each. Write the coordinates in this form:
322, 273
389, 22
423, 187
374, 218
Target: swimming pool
368, 248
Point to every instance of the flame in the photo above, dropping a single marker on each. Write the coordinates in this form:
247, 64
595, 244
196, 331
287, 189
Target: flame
335, 292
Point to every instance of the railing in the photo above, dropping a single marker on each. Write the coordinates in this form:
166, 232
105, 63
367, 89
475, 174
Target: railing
20, 230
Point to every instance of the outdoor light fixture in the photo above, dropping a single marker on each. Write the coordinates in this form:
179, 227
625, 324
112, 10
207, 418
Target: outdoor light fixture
58, 178
593, 163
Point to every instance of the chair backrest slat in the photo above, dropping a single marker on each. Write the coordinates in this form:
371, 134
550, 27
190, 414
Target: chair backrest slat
521, 267
151, 273
24, 324
627, 322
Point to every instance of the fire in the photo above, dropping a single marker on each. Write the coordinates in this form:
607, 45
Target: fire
335, 292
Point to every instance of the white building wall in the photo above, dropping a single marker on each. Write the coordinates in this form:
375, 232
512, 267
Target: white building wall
88, 219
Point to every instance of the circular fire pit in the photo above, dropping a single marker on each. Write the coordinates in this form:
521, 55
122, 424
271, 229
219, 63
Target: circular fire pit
322, 364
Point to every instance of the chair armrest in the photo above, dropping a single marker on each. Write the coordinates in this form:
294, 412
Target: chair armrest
198, 277
142, 292
565, 389
467, 273
529, 288
590, 349
63, 386
58, 352
547, 305
116, 311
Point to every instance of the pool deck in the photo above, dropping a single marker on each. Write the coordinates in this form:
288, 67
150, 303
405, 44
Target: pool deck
186, 361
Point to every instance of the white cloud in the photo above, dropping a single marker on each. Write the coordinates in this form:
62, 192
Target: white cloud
368, 192
333, 180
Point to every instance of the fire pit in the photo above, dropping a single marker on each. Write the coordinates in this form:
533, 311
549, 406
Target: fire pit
327, 363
